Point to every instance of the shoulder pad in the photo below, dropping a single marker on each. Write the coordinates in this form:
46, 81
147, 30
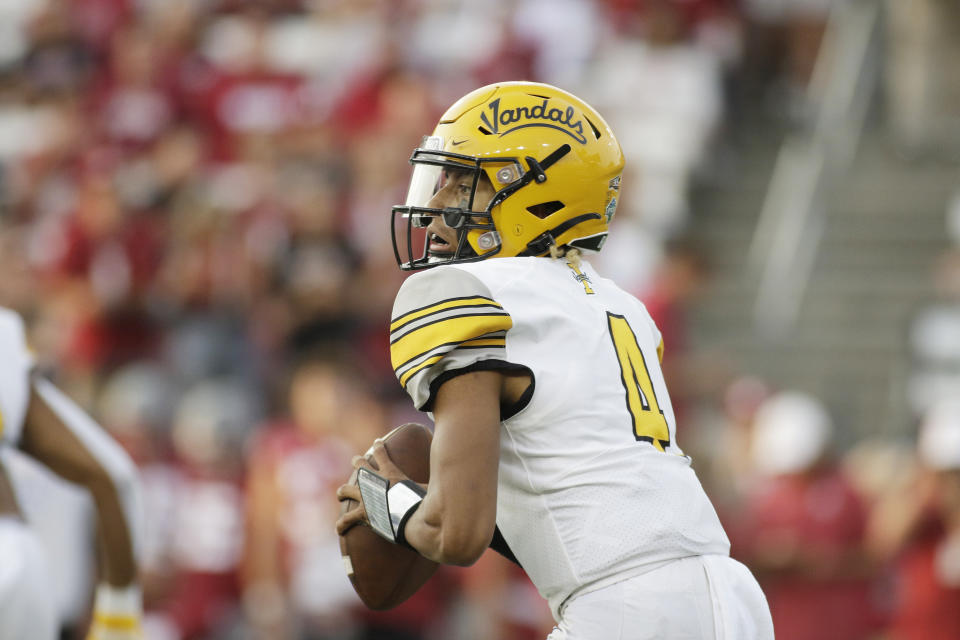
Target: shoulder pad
443, 319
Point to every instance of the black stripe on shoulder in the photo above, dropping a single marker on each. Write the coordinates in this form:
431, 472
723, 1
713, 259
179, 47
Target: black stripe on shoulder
479, 305
430, 355
465, 315
444, 301
429, 352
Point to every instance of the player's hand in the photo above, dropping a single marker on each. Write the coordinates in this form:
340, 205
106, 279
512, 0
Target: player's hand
117, 613
356, 515
384, 466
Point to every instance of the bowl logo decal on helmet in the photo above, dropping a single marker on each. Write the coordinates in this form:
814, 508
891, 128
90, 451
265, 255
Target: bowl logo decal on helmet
613, 189
528, 117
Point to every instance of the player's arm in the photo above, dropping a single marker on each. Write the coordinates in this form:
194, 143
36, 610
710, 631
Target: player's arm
455, 521
64, 438
448, 348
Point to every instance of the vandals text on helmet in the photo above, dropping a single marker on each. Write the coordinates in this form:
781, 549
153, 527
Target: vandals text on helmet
541, 115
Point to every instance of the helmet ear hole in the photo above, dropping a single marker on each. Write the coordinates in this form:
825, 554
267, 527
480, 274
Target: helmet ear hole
545, 209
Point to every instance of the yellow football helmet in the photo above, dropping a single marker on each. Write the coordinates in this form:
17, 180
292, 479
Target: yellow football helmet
552, 160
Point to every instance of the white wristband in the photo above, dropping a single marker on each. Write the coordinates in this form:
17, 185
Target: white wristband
404, 499
117, 613
119, 600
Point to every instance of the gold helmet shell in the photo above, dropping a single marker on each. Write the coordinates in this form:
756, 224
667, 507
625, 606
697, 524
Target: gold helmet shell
553, 161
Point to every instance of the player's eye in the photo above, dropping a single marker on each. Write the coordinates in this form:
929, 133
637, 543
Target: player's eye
444, 180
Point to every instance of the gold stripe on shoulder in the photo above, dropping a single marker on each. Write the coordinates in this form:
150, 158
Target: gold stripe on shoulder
485, 342
471, 344
451, 303
455, 330
420, 367
489, 340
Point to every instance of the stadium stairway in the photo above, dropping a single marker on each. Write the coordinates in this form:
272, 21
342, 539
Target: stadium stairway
884, 227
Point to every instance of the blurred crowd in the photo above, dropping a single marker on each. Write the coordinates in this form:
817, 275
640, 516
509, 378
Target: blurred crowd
194, 205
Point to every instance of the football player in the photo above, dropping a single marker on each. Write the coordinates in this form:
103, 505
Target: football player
554, 433
45, 424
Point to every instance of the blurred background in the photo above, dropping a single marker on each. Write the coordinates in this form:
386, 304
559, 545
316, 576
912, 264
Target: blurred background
194, 204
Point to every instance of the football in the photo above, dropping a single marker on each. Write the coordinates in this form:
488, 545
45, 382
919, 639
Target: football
385, 574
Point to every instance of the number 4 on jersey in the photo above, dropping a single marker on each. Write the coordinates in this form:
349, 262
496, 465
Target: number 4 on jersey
649, 423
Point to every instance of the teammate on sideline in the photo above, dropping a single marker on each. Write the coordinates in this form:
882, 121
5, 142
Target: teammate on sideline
554, 436
45, 424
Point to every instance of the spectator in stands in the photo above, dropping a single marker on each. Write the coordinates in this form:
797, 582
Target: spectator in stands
131, 105
679, 277
294, 585
198, 519
934, 338
107, 258
720, 444
58, 59
782, 46
502, 603
923, 96
916, 524
136, 404
661, 91
803, 525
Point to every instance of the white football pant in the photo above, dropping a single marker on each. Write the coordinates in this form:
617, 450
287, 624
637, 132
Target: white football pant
27, 604
695, 598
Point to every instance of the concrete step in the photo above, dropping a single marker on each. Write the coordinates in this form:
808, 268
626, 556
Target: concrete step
881, 183
851, 282
827, 304
884, 229
905, 230
834, 255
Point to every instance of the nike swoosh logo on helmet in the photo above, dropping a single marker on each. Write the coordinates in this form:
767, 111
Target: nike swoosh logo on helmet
457, 143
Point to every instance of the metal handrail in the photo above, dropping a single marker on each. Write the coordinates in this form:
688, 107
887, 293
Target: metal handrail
787, 237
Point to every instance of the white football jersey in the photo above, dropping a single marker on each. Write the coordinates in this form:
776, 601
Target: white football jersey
15, 365
593, 487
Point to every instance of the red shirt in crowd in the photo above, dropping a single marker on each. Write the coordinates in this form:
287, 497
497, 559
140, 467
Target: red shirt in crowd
927, 595
307, 472
802, 535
